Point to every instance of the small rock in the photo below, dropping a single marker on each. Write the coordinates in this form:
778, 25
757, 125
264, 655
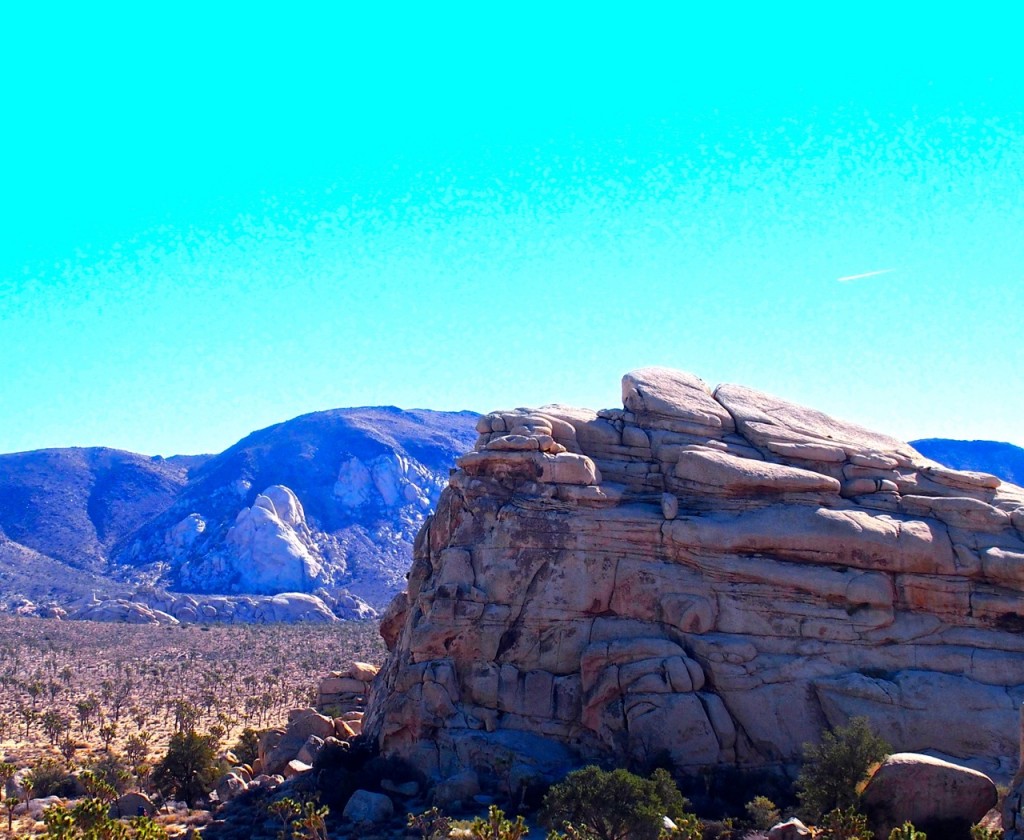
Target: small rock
791, 829
405, 789
366, 807
295, 768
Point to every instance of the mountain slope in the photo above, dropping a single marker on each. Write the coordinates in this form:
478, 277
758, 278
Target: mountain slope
364, 479
327, 504
1000, 459
74, 505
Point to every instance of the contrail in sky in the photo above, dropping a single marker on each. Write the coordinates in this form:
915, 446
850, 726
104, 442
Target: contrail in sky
866, 274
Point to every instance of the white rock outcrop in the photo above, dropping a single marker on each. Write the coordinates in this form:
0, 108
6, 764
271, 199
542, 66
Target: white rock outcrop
268, 550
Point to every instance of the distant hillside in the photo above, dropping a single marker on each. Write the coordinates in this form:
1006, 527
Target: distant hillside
365, 478
326, 503
74, 505
1000, 459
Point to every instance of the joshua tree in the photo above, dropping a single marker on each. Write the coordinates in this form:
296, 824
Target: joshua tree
108, 732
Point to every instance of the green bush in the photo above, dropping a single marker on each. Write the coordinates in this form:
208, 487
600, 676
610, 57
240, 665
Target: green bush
49, 777
981, 832
497, 827
247, 747
907, 832
613, 805
834, 769
190, 769
431, 825
113, 770
87, 819
844, 824
762, 813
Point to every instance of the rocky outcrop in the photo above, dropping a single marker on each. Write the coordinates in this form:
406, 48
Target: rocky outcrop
269, 549
706, 578
153, 606
346, 690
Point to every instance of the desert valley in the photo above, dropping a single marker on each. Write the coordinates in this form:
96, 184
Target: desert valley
369, 613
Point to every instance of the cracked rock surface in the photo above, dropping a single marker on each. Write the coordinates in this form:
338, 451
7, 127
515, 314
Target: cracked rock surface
705, 576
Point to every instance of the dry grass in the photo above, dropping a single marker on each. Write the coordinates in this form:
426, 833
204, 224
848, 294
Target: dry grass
141, 681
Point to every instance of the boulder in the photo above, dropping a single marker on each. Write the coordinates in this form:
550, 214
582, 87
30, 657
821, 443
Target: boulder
134, 804
310, 722
230, 786
456, 790
310, 750
363, 671
35, 807
366, 807
938, 797
791, 829
295, 767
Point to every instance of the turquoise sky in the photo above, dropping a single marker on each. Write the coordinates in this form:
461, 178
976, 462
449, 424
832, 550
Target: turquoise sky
214, 221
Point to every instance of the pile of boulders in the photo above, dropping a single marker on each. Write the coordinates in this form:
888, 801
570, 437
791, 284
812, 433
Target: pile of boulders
346, 691
284, 752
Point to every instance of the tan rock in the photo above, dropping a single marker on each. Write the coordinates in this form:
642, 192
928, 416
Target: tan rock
679, 584
938, 797
363, 671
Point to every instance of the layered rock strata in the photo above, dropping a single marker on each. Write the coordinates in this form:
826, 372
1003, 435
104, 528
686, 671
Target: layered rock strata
707, 577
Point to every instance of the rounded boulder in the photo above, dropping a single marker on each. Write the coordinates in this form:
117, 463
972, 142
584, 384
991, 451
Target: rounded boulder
940, 798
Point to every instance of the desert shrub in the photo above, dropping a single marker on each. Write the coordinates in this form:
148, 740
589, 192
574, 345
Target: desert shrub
88, 820
907, 832
844, 824
303, 820
113, 770
613, 805
247, 747
431, 825
983, 832
689, 827
762, 813
497, 826
49, 777
189, 770
724, 791
834, 769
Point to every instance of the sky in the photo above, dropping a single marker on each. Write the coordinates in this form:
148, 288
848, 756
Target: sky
216, 220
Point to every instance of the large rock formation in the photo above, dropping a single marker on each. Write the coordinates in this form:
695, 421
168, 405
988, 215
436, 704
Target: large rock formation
708, 578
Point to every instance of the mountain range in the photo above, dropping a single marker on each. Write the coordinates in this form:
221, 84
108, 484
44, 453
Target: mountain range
326, 505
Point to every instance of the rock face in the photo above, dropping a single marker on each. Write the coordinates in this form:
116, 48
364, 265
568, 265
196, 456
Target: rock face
708, 578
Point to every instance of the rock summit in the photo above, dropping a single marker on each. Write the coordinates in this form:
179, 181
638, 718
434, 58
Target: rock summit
705, 578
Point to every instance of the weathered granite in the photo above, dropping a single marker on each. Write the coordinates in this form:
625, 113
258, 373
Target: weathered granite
938, 797
707, 577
